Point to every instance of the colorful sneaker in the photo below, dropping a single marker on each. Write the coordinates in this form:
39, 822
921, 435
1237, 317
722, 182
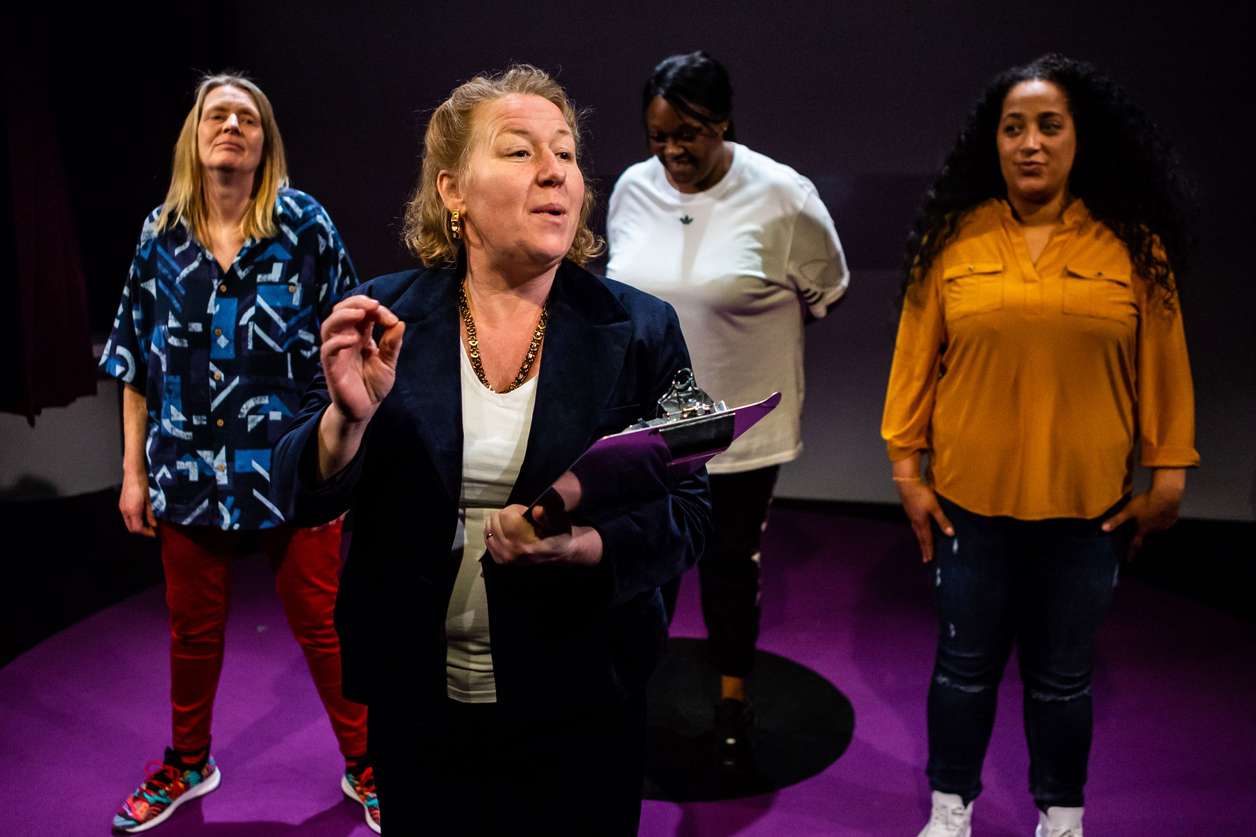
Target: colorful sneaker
165, 788
360, 787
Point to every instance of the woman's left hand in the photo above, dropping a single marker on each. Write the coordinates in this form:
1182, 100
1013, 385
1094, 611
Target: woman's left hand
511, 539
1154, 510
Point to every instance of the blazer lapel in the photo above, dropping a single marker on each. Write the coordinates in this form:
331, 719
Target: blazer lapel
585, 343
428, 371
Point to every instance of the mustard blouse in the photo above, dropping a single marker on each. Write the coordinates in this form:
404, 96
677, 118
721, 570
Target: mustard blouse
1033, 385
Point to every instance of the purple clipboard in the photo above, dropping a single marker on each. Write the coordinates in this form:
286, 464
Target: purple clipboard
636, 464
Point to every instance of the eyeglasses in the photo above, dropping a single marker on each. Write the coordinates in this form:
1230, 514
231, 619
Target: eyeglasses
684, 135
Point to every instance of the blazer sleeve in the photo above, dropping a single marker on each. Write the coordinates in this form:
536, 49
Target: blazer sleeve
649, 543
295, 488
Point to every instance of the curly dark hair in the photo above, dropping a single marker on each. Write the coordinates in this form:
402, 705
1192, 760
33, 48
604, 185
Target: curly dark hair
1125, 171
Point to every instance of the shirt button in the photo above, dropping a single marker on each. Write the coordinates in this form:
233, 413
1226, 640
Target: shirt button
217, 376
220, 468
219, 422
218, 332
222, 289
292, 288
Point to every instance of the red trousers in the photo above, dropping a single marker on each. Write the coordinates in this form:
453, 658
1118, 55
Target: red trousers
197, 563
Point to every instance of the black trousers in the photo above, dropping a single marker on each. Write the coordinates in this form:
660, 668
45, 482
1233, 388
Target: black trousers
729, 570
474, 772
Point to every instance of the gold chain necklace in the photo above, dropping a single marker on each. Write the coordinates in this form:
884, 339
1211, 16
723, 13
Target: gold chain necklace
473, 343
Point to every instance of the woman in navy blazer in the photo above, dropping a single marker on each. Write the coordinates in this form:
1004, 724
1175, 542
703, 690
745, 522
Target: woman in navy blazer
389, 433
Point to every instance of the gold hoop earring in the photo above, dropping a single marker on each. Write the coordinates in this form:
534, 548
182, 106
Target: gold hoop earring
455, 224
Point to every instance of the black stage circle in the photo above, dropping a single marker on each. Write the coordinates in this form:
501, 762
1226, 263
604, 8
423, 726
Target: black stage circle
802, 725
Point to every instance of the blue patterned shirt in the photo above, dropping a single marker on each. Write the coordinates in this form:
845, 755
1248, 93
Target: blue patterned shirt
224, 357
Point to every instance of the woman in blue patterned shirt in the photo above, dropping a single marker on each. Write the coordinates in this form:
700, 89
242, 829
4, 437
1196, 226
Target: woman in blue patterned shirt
215, 339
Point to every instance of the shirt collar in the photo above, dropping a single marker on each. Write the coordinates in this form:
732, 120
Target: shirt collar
1075, 214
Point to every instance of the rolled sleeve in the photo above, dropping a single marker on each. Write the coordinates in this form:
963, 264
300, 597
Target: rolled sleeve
1166, 394
913, 382
816, 263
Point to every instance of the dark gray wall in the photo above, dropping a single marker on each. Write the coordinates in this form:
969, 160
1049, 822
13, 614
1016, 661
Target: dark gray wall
863, 97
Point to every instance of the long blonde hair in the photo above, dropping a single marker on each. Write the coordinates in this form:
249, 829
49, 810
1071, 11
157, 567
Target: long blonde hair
185, 199
446, 146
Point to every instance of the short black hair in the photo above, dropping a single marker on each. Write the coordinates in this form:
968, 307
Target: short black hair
696, 85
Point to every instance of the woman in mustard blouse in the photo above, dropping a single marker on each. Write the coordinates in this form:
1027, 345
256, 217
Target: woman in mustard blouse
1040, 355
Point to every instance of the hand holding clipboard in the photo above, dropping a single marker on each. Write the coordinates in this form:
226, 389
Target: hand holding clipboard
634, 465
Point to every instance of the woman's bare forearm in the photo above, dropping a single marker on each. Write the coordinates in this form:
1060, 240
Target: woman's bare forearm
134, 431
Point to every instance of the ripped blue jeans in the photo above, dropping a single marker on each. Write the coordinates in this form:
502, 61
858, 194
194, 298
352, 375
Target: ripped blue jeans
1043, 586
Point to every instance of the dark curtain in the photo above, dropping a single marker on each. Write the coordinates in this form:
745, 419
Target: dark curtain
47, 351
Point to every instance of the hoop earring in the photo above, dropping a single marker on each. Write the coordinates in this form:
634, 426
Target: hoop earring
455, 224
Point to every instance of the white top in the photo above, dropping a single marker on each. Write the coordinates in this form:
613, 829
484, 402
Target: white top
738, 262
494, 439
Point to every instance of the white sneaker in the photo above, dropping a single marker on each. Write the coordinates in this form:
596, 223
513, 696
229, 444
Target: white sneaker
1059, 822
950, 817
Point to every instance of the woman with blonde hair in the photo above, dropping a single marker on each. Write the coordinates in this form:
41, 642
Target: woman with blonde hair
504, 671
215, 340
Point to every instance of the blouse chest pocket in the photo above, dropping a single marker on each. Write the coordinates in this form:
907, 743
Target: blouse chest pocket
972, 288
1098, 292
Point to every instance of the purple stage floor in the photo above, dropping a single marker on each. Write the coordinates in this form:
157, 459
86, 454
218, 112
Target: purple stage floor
1175, 732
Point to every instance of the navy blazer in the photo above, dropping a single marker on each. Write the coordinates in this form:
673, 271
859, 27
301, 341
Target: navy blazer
562, 636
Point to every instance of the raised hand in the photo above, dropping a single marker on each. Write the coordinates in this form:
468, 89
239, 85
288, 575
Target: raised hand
360, 372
